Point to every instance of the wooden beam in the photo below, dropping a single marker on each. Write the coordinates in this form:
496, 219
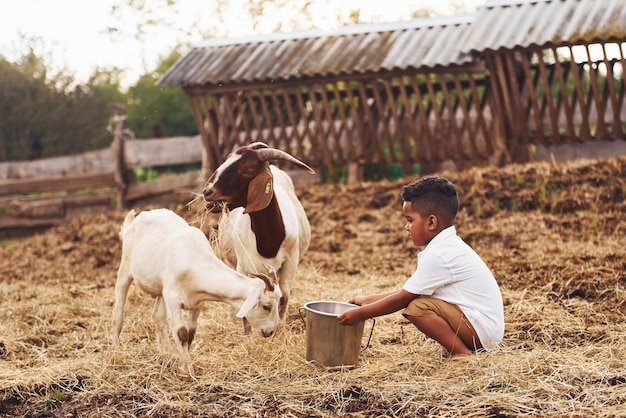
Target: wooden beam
622, 93
229, 121
380, 122
429, 154
467, 121
510, 130
305, 117
295, 132
267, 118
357, 120
349, 134
611, 92
440, 139
473, 67
567, 111
533, 99
520, 126
255, 116
495, 101
207, 105
320, 139
244, 117
163, 151
331, 134
455, 147
369, 126
43, 184
207, 164
282, 141
410, 123
189, 182
481, 104
601, 131
585, 131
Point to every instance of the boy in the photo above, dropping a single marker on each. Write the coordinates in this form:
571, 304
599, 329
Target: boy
452, 297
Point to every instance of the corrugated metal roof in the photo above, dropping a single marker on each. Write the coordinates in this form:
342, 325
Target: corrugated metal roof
414, 44
417, 43
507, 24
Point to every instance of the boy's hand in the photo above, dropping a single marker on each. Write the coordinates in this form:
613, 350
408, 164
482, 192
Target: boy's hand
350, 317
357, 300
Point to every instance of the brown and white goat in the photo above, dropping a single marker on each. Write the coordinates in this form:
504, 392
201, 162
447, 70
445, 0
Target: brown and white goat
175, 263
265, 222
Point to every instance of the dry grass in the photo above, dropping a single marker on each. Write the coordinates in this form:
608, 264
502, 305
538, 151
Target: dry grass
559, 255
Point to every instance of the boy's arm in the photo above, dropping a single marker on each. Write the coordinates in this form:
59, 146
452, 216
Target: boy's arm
392, 302
367, 299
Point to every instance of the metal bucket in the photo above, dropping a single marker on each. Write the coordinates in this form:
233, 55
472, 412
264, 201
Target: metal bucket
327, 341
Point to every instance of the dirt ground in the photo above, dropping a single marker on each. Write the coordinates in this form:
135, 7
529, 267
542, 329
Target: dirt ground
554, 236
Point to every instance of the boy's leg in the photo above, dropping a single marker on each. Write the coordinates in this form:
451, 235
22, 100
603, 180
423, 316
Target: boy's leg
444, 323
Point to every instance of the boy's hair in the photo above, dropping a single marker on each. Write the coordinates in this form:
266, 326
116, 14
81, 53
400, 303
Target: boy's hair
433, 195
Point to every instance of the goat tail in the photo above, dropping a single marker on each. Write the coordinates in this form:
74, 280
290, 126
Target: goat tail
130, 217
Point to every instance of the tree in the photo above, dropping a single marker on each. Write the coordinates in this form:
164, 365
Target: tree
44, 114
15, 89
155, 111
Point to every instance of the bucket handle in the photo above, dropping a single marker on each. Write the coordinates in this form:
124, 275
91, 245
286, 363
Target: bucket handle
369, 339
301, 316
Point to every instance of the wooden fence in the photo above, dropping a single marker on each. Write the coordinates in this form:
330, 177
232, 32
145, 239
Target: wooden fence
395, 119
532, 100
35, 195
494, 112
547, 96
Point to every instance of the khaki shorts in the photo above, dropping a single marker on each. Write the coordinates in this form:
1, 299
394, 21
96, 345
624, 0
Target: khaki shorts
425, 307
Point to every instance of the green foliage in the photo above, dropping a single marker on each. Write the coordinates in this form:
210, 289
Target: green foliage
106, 83
373, 172
154, 111
54, 399
47, 115
377, 172
142, 174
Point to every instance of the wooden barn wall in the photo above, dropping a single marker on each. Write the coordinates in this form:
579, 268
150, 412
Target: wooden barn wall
569, 94
524, 97
407, 119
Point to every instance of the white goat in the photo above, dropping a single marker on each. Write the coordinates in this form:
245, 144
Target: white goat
265, 222
175, 263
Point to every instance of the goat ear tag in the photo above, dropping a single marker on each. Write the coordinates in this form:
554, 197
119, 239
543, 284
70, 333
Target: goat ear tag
268, 188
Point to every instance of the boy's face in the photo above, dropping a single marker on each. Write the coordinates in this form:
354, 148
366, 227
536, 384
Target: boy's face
420, 229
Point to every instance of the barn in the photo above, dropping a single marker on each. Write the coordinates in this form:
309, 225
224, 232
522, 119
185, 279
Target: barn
417, 95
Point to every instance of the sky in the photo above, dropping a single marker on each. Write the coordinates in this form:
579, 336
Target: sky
72, 34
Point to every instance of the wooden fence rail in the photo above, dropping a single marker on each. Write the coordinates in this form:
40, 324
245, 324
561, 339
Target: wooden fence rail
35, 195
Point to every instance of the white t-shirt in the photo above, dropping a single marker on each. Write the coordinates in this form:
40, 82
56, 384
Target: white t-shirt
450, 270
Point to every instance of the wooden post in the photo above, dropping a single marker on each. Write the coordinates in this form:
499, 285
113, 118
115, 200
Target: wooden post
120, 174
355, 173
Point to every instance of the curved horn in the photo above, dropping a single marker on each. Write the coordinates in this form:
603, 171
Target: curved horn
268, 282
271, 272
258, 145
266, 154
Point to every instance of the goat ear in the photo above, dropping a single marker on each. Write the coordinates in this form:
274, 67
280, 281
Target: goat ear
260, 191
253, 298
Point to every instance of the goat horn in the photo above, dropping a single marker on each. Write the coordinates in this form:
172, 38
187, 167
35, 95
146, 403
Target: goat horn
271, 272
266, 154
257, 145
268, 282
